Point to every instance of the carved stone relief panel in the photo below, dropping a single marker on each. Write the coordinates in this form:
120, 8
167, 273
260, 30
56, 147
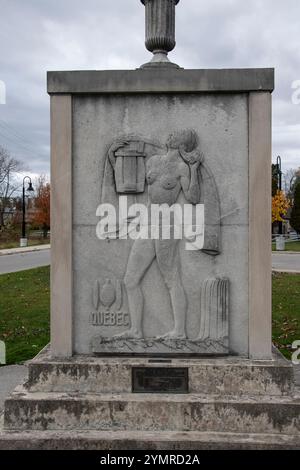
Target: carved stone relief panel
176, 176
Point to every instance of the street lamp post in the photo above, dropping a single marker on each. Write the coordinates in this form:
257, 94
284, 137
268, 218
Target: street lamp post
279, 172
291, 183
23, 240
279, 185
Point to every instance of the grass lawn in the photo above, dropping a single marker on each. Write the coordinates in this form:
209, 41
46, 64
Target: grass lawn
286, 311
289, 246
24, 312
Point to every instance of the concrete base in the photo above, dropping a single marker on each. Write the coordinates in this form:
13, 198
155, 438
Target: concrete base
86, 402
211, 376
151, 412
133, 440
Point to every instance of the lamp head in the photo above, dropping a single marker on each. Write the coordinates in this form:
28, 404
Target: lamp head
30, 187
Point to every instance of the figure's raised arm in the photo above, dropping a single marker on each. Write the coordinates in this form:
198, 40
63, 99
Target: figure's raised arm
113, 148
190, 181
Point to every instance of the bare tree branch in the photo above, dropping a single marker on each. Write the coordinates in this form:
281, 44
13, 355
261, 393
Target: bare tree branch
9, 169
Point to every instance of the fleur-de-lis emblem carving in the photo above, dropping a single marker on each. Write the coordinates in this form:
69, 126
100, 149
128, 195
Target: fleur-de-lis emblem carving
108, 294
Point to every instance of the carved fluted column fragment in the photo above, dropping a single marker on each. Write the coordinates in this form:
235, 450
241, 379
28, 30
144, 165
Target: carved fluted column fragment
214, 310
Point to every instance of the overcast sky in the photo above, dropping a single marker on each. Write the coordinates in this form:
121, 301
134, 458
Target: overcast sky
41, 35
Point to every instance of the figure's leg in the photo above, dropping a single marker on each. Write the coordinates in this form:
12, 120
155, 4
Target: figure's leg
179, 306
169, 263
140, 259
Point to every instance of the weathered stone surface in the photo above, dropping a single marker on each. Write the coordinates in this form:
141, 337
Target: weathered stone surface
220, 121
151, 412
213, 119
161, 346
134, 440
161, 81
160, 177
233, 403
229, 376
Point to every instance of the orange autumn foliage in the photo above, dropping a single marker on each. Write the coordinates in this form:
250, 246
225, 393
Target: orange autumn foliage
280, 205
42, 204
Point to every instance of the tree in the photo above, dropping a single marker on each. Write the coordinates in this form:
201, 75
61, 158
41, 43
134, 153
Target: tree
41, 212
295, 214
280, 205
291, 178
9, 169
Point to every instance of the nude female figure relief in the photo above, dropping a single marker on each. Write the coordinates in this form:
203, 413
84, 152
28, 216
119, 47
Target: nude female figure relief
166, 175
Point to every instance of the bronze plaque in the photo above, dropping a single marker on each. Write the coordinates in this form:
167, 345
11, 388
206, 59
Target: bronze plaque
160, 380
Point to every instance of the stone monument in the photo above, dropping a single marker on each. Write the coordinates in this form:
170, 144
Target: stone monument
160, 263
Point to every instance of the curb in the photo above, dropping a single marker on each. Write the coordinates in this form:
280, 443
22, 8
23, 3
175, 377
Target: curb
286, 252
28, 249
288, 271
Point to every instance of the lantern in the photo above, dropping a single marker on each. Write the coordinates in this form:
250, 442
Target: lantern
130, 171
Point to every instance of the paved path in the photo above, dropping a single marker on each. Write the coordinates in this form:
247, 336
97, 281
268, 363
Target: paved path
25, 249
286, 262
32, 257
10, 377
25, 260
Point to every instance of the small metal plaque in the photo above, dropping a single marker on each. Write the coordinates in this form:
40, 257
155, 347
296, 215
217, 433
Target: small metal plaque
160, 380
